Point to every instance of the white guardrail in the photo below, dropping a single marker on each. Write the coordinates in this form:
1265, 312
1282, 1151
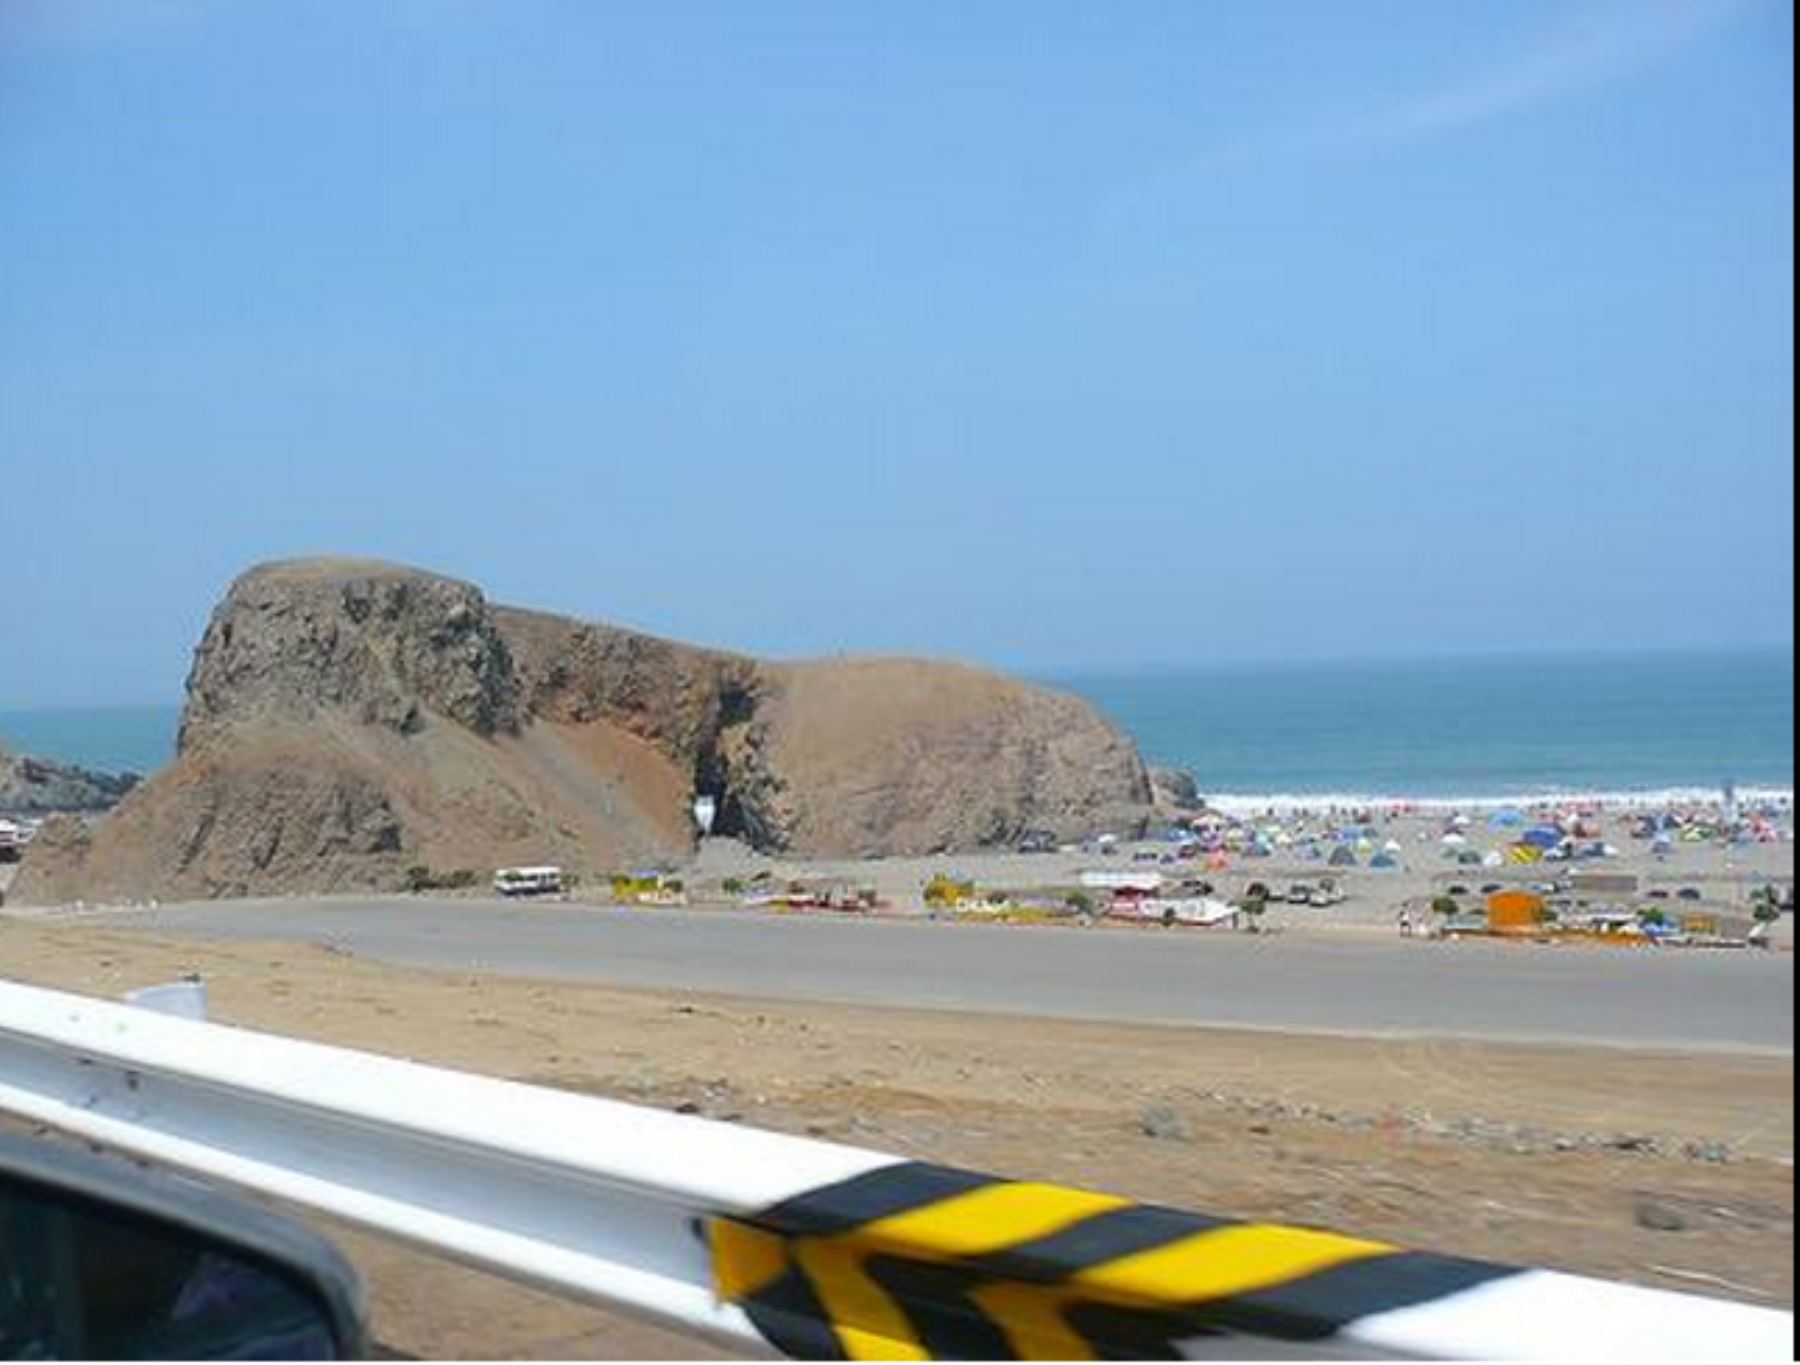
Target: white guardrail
781, 1245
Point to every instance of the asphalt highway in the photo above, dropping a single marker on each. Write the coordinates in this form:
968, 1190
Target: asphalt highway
1347, 983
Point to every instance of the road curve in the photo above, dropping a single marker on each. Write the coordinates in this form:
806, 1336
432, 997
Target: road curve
1685, 1000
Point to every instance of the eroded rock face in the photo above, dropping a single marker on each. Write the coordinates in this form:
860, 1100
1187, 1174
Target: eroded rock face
1177, 790
385, 646
348, 720
270, 814
887, 756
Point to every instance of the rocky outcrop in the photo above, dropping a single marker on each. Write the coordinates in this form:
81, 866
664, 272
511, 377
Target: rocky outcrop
383, 647
347, 721
35, 786
1177, 790
881, 756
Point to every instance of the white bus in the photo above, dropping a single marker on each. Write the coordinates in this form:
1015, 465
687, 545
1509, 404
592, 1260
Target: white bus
528, 881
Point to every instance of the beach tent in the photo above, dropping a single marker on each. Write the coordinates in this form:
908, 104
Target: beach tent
1524, 854
1493, 858
1343, 856
1391, 846
1506, 819
1384, 861
1454, 841
1542, 837
1472, 857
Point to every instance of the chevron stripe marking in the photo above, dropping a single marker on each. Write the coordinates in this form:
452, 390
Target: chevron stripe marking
869, 1323
1221, 1264
746, 1260
1031, 1315
983, 1221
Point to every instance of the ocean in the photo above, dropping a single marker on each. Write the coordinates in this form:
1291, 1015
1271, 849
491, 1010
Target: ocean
1468, 730
110, 739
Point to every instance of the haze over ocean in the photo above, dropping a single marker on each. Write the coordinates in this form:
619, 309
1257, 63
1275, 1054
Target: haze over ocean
1456, 727
1466, 727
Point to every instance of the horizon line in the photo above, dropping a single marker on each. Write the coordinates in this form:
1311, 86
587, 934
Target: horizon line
1050, 672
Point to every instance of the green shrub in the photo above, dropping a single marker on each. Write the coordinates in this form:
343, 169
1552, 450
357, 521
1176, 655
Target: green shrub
419, 878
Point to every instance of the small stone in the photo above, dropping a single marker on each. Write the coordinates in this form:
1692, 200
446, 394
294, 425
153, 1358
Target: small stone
1659, 1217
1161, 1122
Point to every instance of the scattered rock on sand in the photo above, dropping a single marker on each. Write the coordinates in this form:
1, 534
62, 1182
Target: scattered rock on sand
1659, 1217
1162, 1122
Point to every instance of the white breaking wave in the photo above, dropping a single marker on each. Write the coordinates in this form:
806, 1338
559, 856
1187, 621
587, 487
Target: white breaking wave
1248, 803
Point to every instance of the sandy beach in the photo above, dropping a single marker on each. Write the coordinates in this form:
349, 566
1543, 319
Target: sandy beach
1718, 877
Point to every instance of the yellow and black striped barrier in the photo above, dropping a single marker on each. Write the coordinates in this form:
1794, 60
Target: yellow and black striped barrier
924, 1262
808, 1248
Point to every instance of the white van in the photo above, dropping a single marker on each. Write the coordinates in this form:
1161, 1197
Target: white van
529, 881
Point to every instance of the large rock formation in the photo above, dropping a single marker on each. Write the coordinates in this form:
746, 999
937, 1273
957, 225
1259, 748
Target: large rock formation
347, 721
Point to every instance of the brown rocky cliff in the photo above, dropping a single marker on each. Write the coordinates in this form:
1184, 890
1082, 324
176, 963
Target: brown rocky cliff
385, 646
349, 720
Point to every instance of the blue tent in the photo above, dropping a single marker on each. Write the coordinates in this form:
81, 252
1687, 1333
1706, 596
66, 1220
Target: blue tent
1385, 861
1542, 836
1506, 819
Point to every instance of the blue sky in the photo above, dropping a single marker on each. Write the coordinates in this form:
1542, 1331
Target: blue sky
1046, 334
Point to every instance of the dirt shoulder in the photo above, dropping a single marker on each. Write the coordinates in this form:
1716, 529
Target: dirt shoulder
1666, 1169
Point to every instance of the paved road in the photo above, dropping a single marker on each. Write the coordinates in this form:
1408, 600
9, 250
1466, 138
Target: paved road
1741, 1001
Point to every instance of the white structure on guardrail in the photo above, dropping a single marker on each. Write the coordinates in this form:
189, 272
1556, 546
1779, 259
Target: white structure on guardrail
784, 1244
